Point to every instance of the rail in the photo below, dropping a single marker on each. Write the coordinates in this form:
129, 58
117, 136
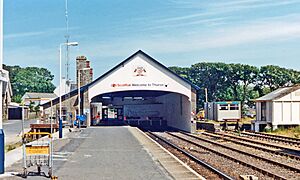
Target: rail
264, 171
246, 153
208, 166
292, 156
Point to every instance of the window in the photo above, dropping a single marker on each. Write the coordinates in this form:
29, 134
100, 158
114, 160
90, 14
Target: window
263, 111
234, 107
223, 107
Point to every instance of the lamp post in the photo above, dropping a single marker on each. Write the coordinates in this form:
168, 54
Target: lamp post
2, 144
60, 83
78, 86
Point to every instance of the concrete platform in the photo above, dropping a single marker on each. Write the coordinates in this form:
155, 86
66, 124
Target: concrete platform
118, 152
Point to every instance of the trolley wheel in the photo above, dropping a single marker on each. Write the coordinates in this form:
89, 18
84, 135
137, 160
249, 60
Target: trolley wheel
39, 169
24, 175
50, 173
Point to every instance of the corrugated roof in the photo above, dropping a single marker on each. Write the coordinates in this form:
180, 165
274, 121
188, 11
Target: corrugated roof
278, 93
40, 95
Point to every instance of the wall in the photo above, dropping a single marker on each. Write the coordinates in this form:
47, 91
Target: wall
152, 77
286, 113
228, 114
177, 110
213, 112
294, 96
144, 110
258, 111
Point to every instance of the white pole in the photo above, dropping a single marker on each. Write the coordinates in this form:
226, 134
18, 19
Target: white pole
23, 133
2, 140
1, 57
78, 95
51, 131
60, 84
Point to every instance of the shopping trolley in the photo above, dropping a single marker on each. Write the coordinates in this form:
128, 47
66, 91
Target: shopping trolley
37, 153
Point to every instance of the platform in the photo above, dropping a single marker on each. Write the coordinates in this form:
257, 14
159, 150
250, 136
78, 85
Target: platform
113, 152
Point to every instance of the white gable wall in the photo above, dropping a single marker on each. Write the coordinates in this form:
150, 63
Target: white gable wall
287, 109
155, 78
294, 96
286, 113
176, 106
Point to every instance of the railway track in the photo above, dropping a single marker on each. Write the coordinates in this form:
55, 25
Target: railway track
268, 167
227, 162
216, 173
245, 143
284, 148
293, 167
277, 136
269, 137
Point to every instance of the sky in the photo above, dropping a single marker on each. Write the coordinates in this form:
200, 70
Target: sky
174, 32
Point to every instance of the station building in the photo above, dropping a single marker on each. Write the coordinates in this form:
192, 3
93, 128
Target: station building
280, 108
139, 91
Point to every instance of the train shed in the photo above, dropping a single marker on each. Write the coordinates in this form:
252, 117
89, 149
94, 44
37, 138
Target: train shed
139, 91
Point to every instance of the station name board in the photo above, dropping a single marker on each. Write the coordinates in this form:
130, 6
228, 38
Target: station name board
139, 85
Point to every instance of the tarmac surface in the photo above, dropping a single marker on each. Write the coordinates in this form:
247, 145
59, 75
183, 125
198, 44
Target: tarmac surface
13, 128
100, 153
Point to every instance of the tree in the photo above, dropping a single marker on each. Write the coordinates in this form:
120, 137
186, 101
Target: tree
181, 71
29, 79
211, 76
31, 106
37, 109
240, 82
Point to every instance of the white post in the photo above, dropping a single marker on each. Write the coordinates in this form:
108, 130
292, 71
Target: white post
1, 57
78, 95
60, 84
2, 139
60, 87
23, 133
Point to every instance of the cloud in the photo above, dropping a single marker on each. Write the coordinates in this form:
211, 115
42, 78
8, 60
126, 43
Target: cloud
22, 35
272, 30
210, 9
46, 32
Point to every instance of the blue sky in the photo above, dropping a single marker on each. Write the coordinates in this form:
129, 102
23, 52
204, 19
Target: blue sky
175, 32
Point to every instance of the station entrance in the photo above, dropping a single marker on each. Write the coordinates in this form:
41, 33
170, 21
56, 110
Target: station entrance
142, 108
139, 91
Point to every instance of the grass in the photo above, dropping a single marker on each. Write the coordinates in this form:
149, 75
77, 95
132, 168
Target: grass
12, 146
290, 132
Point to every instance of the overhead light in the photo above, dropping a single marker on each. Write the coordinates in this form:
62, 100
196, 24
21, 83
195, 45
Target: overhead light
72, 44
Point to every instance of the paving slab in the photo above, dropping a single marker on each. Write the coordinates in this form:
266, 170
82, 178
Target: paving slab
110, 153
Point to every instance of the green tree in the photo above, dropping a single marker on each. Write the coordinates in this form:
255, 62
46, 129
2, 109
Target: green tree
31, 106
29, 79
211, 76
37, 109
181, 71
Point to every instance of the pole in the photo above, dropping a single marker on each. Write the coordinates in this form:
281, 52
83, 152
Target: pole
79, 101
60, 87
2, 144
51, 131
23, 133
206, 96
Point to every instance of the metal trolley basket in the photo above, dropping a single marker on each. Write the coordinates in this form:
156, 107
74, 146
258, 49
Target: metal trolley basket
37, 153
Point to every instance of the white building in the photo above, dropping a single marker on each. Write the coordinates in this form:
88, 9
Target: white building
138, 90
37, 98
278, 108
224, 110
